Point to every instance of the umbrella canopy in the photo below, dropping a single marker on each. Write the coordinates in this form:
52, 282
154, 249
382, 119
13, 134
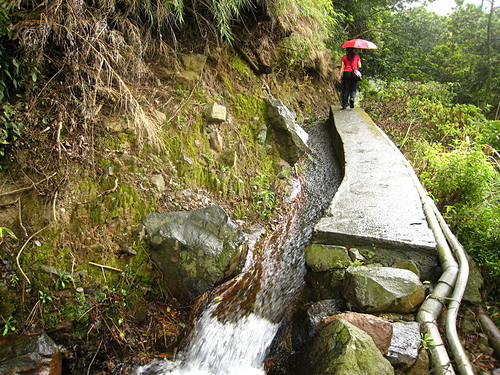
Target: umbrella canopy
359, 43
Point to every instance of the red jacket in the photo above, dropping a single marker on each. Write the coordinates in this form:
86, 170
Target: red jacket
349, 66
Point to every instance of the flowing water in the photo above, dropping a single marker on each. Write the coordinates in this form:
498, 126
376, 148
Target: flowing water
234, 333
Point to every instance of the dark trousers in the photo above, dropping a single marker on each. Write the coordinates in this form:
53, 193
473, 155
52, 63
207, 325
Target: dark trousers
349, 88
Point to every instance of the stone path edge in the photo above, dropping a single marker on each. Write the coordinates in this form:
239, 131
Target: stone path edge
377, 206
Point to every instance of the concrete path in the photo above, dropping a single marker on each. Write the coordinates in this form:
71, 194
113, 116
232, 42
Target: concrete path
377, 206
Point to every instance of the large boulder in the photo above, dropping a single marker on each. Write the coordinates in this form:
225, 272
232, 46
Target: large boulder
380, 330
33, 354
383, 289
195, 250
340, 348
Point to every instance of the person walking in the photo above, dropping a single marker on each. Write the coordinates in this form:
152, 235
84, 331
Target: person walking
349, 62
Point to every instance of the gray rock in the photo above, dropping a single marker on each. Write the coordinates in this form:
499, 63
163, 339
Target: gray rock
194, 62
326, 257
33, 354
322, 309
109, 170
158, 182
383, 289
341, 348
290, 138
356, 255
380, 330
216, 141
421, 365
193, 66
216, 112
128, 160
187, 159
407, 265
229, 158
403, 351
261, 135
474, 283
469, 324
117, 124
195, 250
282, 168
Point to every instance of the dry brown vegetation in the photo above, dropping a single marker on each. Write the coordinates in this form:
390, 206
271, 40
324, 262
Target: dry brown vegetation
109, 96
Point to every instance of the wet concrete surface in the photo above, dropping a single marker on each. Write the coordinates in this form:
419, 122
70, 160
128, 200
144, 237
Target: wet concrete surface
377, 205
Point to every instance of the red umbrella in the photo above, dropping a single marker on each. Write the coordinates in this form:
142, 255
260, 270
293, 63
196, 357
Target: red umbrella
359, 43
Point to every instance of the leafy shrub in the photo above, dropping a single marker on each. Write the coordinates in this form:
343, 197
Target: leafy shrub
491, 130
461, 176
8, 67
10, 127
478, 230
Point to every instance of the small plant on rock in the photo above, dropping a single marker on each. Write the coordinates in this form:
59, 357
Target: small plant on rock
6, 232
426, 341
8, 326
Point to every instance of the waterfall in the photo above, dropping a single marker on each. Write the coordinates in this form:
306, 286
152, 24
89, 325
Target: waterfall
236, 330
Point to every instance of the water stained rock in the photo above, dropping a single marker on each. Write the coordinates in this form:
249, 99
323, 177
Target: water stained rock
29, 354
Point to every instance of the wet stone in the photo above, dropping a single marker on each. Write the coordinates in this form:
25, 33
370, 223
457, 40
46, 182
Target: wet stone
33, 354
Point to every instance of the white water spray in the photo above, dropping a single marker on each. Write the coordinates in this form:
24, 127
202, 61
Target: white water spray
235, 332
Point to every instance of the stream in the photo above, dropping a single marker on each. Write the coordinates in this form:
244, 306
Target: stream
235, 331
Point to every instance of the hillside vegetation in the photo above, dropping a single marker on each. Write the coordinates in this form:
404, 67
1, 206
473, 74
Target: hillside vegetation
103, 119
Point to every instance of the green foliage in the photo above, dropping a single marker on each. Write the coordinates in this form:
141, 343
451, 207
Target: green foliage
404, 50
426, 109
491, 132
8, 66
44, 297
265, 198
10, 126
15, 70
457, 177
478, 230
8, 326
4, 232
459, 49
426, 341
14, 280
314, 26
16, 75
453, 147
363, 18
64, 280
